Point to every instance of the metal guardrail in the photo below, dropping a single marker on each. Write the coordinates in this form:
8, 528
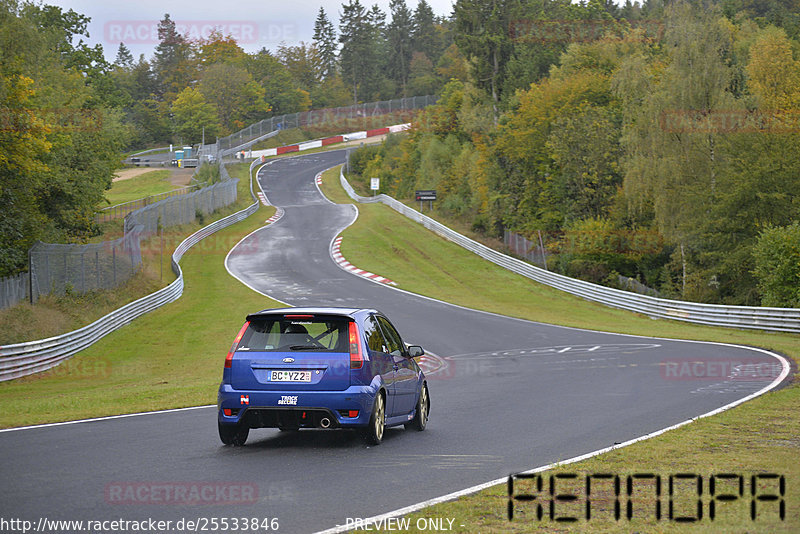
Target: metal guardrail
150, 151
21, 359
774, 319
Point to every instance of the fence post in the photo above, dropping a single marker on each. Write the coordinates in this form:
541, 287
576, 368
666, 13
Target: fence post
541, 245
30, 274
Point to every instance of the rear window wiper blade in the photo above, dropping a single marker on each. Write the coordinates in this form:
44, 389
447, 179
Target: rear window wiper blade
305, 347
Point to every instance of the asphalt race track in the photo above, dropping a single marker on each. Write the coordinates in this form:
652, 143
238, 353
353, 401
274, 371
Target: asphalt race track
509, 395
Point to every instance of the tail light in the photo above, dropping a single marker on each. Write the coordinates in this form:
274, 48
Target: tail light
356, 356
229, 357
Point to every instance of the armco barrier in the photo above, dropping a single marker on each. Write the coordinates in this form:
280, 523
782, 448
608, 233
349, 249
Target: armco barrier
775, 319
22, 359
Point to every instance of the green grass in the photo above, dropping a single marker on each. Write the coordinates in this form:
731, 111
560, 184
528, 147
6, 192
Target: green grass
332, 189
144, 185
759, 436
169, 358
132, 370
53, 315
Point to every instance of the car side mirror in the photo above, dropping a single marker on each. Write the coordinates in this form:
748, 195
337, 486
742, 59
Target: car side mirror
415, 351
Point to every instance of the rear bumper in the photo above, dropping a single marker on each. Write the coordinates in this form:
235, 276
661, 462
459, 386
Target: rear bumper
303, 409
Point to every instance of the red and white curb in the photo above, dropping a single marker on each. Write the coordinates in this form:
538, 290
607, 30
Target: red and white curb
318, 178
278, 214
319, 143
263, 198
432, 365
347, 266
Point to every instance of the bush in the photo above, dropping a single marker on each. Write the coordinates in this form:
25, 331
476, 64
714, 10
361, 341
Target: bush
777, 266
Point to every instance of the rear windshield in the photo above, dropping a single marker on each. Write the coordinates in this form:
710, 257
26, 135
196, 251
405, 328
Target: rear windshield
279, 334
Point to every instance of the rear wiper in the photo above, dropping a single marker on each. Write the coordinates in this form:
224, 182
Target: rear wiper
304, 347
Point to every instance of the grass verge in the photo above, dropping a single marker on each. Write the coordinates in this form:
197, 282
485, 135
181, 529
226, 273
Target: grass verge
144, 185
132, 369
54, 315
760, 436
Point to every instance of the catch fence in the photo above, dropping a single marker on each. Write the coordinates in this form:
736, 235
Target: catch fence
60, 269
357, 116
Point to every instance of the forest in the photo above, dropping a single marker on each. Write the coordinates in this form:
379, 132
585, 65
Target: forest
69, 115
653, 140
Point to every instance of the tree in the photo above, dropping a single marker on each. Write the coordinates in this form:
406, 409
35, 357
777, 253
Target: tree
453, 65
238, 99
325, 41
358, 58
280, 92
400, 43
124, 57
425, 39
482, 35
23, 144
173, 63
63, 144
218, 48
777, 266
585, 150
675, 159
303, 64
194, 118
522, 151
422, 76
773, 73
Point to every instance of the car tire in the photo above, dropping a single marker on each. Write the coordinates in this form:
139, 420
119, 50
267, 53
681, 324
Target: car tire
420, 420
373, 434
234, 435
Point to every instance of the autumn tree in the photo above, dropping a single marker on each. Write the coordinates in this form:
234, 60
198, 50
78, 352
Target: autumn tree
218, 48
237, 98
174, 62
193, 117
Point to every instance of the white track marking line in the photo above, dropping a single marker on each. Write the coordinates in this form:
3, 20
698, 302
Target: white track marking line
228, 255
106, 418
486, 485
474, 489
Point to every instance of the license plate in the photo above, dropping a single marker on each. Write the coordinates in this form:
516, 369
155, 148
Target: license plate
290, 376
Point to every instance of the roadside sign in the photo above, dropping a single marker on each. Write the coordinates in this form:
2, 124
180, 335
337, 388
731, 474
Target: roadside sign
374, 184
425, 194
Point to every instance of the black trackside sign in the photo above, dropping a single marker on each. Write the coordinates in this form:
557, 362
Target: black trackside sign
425, 194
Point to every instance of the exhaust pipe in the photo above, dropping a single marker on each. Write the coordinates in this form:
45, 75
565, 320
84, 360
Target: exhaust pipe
324, 423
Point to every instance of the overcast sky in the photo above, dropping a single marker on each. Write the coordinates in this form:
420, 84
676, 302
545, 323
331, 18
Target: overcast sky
255, 24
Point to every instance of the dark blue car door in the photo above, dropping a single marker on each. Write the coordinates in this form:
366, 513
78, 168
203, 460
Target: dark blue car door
380, 360
405, 370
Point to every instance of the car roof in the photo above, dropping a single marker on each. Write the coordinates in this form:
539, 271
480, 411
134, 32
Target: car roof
330, 310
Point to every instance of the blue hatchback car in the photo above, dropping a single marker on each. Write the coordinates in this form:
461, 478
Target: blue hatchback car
294, 368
